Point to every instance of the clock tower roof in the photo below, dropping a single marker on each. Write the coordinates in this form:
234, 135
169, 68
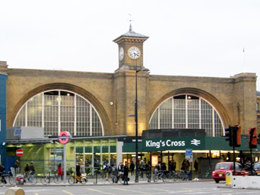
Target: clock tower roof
132, 36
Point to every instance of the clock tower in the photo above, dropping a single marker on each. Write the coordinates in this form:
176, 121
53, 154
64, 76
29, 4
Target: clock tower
130, 50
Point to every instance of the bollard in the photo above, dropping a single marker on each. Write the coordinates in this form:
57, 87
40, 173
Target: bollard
15, 191
228, 178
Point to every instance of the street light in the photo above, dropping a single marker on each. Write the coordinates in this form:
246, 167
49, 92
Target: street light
136, 123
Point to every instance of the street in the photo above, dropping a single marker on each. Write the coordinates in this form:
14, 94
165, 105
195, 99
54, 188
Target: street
187, 187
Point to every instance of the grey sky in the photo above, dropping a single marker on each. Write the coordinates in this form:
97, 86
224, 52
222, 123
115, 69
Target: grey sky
187, 37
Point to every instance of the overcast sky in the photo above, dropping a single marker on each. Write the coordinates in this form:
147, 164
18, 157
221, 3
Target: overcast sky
186, 37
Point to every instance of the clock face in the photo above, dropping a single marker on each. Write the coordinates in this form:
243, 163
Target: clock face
134, 52
121, 53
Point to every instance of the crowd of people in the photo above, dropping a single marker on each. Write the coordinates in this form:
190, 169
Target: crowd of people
122, 169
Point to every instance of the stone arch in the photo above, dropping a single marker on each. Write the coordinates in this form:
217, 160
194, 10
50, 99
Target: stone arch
198, 92
66, 86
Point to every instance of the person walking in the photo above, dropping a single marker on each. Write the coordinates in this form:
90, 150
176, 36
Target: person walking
196, 166
17, 167
59, 171
132, 167
31, 171
126, 170
26, 170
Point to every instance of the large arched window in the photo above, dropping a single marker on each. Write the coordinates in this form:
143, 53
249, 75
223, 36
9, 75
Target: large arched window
187, 112
60, 110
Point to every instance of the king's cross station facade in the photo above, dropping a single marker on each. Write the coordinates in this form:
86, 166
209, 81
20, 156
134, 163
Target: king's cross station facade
178, 116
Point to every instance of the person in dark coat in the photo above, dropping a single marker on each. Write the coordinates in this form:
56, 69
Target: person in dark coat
126, 170
132, 167
2, 170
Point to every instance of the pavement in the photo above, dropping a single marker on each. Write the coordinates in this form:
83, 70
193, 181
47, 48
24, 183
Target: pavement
97, 181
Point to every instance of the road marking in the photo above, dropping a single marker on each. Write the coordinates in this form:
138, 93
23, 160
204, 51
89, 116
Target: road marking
156, 189
123, 189
67, 192
102, 192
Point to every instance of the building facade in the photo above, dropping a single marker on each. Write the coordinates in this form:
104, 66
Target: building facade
100, 105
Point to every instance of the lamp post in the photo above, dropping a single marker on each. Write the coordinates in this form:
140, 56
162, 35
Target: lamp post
136, 123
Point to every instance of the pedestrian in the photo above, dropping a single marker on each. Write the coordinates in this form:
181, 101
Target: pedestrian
2, 170
126, 170
17, 166
196, 165
120, 168
82, 166
163, 169
174, 165
59, 171
26, 170
31, 171
114, 172
78, 173
108, 170
132, 167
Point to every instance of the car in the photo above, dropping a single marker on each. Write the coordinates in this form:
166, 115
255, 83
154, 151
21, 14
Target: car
222, 167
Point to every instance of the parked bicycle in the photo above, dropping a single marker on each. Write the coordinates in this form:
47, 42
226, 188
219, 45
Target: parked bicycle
182, 175
73, 178
144, 174
49, 177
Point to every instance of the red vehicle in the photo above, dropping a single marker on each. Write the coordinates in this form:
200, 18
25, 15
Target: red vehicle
222, 167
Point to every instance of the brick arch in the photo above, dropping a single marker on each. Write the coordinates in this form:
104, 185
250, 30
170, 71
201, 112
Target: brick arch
200, 93
66, 86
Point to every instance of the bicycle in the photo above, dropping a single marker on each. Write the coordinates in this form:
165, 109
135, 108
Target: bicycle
208, 174
160, 175
170, 176
9, 178
182, 175
120, 177
73, 178
108, 177
48, 178
29, 178
3, 178
147, 174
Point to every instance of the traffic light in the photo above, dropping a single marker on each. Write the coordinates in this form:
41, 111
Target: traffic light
252, 138
236, 135
233, 135
228, 135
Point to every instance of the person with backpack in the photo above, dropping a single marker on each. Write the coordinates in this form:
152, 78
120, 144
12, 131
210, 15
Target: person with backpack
114, 172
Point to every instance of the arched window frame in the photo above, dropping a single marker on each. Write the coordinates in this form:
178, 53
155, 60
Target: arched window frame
91, 109
214, 112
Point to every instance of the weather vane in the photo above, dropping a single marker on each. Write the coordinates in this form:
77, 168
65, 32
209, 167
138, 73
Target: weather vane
130, 21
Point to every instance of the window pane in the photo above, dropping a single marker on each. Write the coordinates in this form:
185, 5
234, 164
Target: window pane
166, 115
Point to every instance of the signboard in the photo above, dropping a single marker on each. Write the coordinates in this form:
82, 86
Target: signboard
19, 152
176, 143
17, 132
64, 137
189, 155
